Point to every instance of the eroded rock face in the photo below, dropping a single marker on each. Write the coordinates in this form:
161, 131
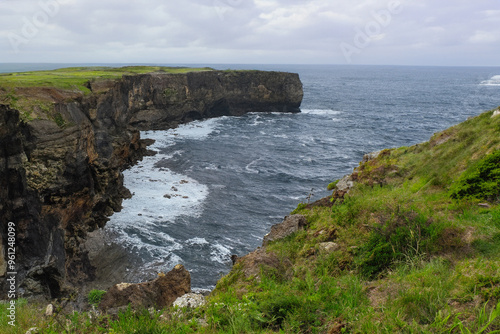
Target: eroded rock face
60, 181
163, 100
159, 293
288, 226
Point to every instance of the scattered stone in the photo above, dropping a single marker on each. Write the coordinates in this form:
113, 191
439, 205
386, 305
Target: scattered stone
93, 313
185, 197
167, 196
370, 156
184, 182
290, 225
174, 188
345, 183
484, 205
328, 247
49, 310
202, 322
496, 113
159, 293
190, 300
32, 330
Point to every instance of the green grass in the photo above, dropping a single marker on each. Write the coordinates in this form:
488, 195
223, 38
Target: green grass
76, 78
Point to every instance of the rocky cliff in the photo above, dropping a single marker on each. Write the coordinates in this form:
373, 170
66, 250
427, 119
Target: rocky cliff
60, 177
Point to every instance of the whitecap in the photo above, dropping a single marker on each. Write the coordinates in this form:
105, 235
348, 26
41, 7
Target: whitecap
220, 253
194, 130
493, 81
321, 111
197, 241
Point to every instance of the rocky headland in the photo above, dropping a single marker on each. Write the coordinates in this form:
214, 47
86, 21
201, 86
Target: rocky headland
62, 157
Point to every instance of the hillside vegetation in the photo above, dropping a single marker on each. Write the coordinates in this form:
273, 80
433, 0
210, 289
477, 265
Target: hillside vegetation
418, 251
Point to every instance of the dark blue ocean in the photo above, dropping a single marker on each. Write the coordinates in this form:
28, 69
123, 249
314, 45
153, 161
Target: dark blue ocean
215, 187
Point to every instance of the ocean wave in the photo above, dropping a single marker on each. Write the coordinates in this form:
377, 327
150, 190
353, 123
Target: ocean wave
493, 81
321, 111
220, 254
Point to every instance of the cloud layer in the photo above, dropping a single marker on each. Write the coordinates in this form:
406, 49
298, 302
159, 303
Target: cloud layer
417, 32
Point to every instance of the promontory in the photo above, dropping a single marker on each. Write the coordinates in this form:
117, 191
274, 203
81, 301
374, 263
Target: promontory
66, 136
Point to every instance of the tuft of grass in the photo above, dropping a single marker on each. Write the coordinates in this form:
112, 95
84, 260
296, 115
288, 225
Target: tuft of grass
95, 296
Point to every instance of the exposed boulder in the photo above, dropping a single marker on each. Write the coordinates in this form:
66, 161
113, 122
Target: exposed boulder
370, 156
328, 247
260, 259
190, 300
345, 183
496, 113
159, 293
290, 225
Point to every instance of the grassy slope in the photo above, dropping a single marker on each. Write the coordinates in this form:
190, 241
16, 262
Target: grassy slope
411, 258
15, 87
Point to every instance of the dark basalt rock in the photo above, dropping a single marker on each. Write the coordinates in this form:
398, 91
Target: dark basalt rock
59, 182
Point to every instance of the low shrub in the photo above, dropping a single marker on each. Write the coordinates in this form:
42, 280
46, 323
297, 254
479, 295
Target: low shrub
403, 236
481, 181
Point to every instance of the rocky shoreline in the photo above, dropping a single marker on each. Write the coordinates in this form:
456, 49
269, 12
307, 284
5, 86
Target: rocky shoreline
62, 179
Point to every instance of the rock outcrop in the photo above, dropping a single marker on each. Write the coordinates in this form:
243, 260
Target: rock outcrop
61, 176
288, 226
159, 293
260, 259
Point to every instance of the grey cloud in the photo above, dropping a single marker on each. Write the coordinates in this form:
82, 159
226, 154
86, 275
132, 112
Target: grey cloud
257, 30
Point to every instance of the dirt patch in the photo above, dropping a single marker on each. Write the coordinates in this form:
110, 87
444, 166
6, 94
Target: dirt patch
48, 94
439, 139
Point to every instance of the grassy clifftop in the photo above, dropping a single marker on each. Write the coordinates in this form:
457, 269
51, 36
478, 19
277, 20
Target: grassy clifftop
34, 93
417, 250
76, 78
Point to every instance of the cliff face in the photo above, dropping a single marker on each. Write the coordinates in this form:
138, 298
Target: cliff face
163, 101
60, 181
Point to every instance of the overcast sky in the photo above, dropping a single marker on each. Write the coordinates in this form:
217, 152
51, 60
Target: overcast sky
415, 32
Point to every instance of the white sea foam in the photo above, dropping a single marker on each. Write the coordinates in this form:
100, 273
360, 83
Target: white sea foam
321, 111
493, 81
159, 196
220, 253
197, 241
